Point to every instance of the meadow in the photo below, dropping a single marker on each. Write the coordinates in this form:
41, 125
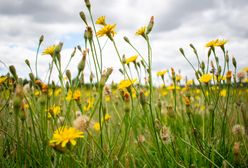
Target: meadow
200, 122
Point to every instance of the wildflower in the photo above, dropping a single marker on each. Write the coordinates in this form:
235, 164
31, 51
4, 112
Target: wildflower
107, 98
81, 123
228, 76
89, 105
57, 92
54, 111
126, 83
107, 117
131, 59
241, 76
178, 77
220, 43
49, 50
69, 95
172, 87
205, 78
3, 79
189, 82
187, 101
223, 93
96, 126
162, 73
101, 21
216, 43
141, 31
64, 135
76, 95
246, 69
108, 30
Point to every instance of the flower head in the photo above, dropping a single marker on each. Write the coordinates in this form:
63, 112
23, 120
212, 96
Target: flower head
3, 79
49, 50
141, 31
101, 21
216, 43
205, 78
96, 126
54, 111
126, 83
108, 30
64, 135
162, 73
76, 95
131, 59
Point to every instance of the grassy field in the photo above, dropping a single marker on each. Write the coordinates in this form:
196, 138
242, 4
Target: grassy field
129, 123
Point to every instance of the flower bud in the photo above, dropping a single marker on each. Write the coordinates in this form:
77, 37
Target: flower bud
31, 76
150, 25
73, 52
182, 52
88, 33
234, 62
13, 71
87, 3
126, 39
27, 62
83, 17
105, 76
68, 74
81, 64
41, 39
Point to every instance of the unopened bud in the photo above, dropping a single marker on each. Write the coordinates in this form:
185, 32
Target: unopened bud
88, 34
83, 17
150, 25
126, 39
227, 57
27, 62
13, 71
41, 39
81, 64
73, 52
105, 76
68, 74
182, 52
234, 62
87, 3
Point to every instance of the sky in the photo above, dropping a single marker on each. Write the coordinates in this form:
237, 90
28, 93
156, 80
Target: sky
177, 24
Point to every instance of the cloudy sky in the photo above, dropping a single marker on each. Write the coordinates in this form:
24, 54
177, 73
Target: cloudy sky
177, 24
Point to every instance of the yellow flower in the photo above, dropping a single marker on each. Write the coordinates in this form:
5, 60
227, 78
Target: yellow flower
96, 126
76, 95
58, 92
141, 31
131, 59
205, 78
172, 87
69, 95
178, 77
162, 73
54, 111
216, 43
89, 105
101, 21
107, 98
220, 43
126, 83
49, 50
245, 69
3, 79
223, 93
221, 78
108, 30
189, 82
37, 93
64, 135
107, 117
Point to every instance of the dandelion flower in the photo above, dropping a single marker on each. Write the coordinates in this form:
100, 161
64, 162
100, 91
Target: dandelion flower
162, 73
126, 83
107, 117
54, 111
101, 21
141, 31
3, 79
49, 50
76, 95
96, 126
223, 93
108, 30
131, 59
205, 78
220, 43
64, 135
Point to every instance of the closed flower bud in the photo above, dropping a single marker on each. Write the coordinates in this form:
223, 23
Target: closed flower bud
126, 39
142, 98
234, 62
41, 39
209, 52
87, 3
203, 66
150, 25
88, 34
27, 62
82, 15
227, 57
73, 52
68, 74
31, 76
105, 76
13, 71
81, 64
182, 52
